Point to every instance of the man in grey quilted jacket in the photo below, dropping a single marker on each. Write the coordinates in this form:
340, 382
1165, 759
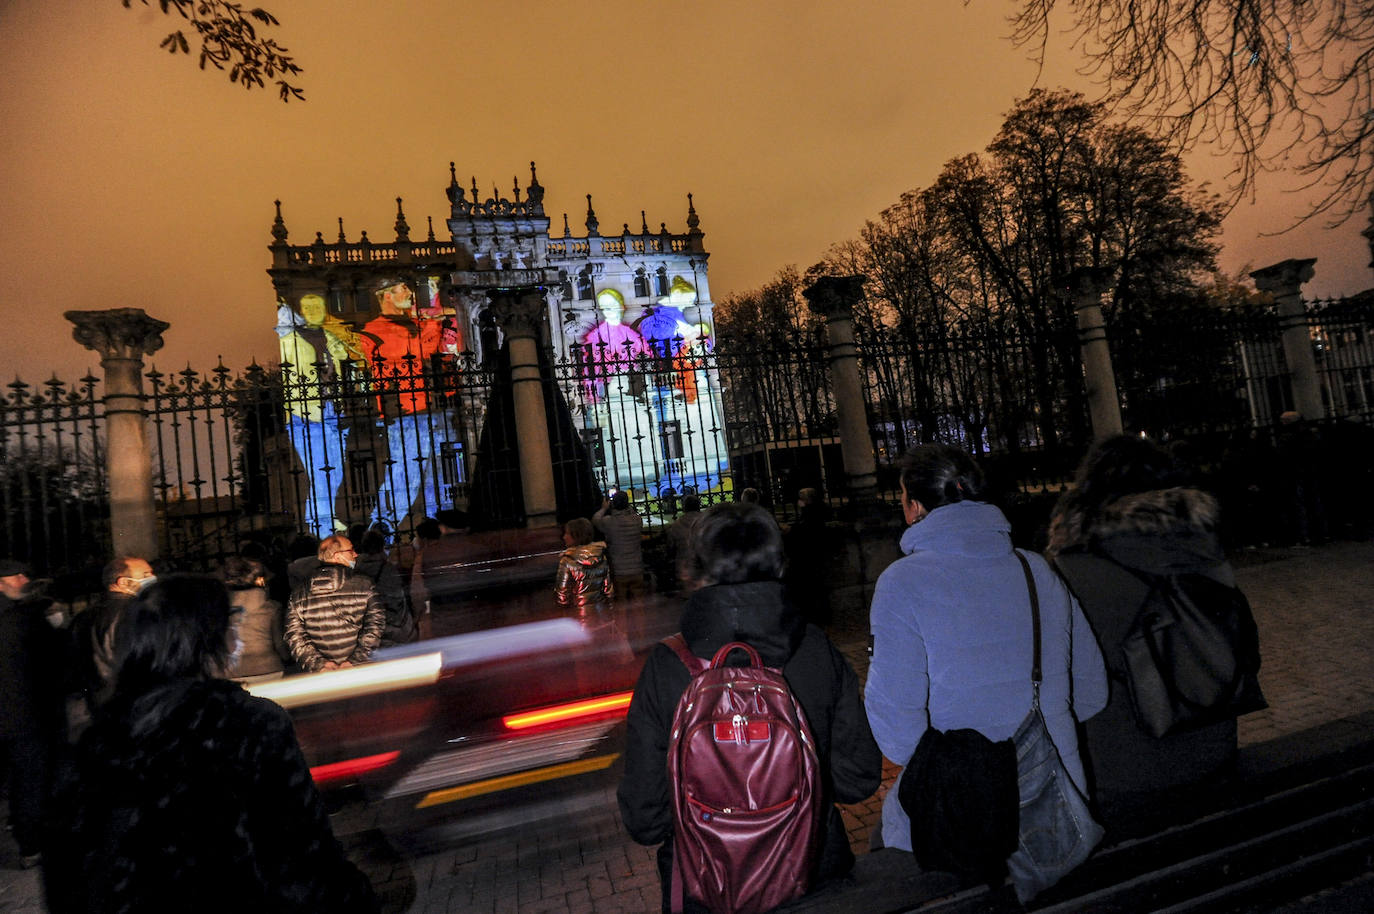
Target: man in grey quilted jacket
336, 619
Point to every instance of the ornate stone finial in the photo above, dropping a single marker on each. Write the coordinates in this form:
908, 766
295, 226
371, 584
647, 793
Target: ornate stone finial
342, 239
592, 224
535, 192
626, 230
364, 239
834, 297
495, 194
566, 231
319, 239
431, 227
402, 230
117, 333
516, 182
663, 228
278, 226
475, 196
643, 224
693, 222
454, 191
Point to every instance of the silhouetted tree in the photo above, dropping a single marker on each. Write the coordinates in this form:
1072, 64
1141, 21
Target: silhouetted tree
969, 278
229, 40
1275, 82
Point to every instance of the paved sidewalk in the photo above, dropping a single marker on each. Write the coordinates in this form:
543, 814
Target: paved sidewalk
1315, 610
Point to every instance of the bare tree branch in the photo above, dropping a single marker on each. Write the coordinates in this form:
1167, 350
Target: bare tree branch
230, 40
1277, 84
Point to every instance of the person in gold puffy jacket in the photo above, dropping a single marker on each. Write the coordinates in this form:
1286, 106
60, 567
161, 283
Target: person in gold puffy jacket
583, 581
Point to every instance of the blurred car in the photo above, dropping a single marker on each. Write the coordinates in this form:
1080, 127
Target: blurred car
479, 730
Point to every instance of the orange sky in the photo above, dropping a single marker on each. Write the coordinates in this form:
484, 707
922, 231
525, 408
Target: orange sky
129, 178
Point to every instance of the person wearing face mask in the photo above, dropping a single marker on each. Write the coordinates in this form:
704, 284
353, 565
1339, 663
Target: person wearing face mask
259, 629
336, 619
93, 631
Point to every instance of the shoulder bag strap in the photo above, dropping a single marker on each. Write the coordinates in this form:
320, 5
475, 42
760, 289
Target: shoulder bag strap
1035, 625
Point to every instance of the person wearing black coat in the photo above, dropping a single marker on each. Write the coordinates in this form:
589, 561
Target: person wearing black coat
186, 792
743, 600
1128, 519
32, 722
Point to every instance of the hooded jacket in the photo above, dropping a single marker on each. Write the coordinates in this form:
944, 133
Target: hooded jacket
336, 616
952, 647
819, 676
583, 580
1163, 532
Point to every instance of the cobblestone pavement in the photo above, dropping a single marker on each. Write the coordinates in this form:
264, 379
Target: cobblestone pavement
1315, 610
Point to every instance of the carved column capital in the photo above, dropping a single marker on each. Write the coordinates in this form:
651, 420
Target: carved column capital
117, 333
834, 297
1284, 278
519, 312
1086, 285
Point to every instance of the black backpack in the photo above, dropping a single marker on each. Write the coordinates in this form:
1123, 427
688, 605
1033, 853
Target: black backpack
1192, 655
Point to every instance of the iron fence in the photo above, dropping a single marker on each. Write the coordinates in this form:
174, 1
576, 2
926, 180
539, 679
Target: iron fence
235, 456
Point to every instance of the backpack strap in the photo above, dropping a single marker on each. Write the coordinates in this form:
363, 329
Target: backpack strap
1035, 622
678, 645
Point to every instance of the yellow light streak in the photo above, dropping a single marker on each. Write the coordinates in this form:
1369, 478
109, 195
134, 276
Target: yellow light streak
365, 679
521, 779
563, 712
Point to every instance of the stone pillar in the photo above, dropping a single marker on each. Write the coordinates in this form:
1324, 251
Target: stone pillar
123, 336
1284, 282
519, 312
833, 297
1099, 378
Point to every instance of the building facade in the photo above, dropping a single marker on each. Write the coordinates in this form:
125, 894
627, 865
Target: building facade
390, 355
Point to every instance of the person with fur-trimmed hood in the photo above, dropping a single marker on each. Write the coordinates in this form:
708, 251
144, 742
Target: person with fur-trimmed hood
1129, 514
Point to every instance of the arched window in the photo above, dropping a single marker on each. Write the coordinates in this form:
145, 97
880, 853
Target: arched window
641, 283
584, 287
661, 281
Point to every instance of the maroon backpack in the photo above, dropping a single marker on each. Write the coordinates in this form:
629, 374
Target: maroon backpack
746, 785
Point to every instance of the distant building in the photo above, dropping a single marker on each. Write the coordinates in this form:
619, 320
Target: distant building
629, 317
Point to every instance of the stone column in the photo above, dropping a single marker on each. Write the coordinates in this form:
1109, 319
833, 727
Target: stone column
1284, 282
833, 298
519, 313
123, 336
1099, 378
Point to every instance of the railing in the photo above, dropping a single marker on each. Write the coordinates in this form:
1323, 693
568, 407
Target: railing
226, 465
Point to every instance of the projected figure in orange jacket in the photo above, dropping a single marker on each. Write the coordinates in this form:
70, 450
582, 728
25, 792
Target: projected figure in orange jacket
406, 352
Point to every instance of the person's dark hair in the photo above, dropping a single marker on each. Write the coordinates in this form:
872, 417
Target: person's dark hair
453, 518
428, 530
749, 496
620, 501
581, 530
734, 543
373, 543
940, 474
356, 532
691, 503
242, 573
176, 628
252, 549
1122, 465
303, 545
